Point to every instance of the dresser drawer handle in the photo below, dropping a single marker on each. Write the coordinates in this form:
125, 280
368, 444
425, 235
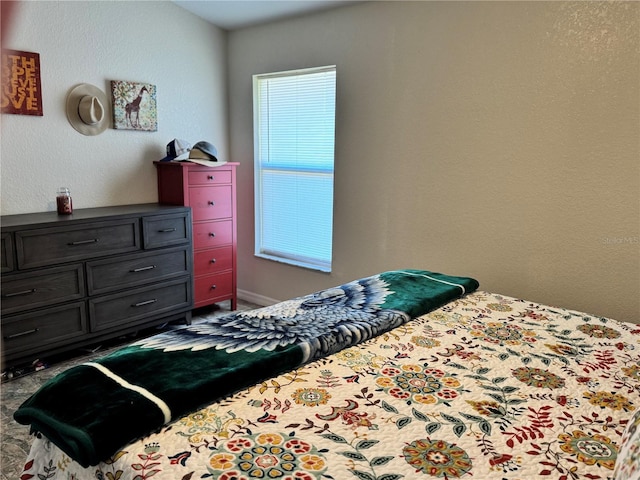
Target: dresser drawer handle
21, 334
147, 302
142, 269
213, 260
211, 202
167, 230
20, 293
212, 234
210, 177
83, 242
213, 287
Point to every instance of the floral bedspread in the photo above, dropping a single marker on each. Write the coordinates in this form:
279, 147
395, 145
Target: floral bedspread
486, 387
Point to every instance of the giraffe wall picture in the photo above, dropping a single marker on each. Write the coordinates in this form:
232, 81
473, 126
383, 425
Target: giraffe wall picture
134, 106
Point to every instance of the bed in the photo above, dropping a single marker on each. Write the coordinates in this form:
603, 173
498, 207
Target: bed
417, 375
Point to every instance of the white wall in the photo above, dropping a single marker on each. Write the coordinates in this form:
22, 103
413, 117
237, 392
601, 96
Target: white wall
95, 42
493, 139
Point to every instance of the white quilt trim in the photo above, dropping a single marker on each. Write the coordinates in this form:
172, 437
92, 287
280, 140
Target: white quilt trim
164, 408
432, 278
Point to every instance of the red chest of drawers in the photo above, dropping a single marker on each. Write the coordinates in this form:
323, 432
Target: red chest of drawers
211, 194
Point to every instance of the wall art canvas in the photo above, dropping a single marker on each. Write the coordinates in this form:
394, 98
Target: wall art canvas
21, 87
134, 106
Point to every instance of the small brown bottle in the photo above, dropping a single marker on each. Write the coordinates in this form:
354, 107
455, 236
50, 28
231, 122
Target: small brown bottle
63, 201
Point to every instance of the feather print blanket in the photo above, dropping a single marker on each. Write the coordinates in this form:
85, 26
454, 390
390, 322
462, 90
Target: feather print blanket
93, 409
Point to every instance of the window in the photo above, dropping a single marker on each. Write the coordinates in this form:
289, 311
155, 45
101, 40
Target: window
294, 135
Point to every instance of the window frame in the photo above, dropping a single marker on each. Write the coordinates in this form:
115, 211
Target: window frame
261, 250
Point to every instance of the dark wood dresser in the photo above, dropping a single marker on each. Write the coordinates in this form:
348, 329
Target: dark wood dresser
74, 280
211, 194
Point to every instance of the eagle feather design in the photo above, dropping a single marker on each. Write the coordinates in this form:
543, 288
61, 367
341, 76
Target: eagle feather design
323, 323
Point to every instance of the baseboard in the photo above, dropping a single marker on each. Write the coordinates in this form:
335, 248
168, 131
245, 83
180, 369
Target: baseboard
255, 298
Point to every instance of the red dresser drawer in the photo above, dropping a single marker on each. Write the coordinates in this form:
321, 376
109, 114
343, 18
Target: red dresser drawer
212, 234
209, 176
213, 261
210, 203
213, 287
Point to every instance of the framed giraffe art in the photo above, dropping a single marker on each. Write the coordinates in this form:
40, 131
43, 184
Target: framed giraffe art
134, 106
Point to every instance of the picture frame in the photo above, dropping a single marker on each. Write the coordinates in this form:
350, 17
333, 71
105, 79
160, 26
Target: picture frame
134, 106
21, 84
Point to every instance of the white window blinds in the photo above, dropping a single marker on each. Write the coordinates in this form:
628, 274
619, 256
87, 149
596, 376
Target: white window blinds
294, 134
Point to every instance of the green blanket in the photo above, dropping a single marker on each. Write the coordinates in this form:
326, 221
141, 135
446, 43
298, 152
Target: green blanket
93, 409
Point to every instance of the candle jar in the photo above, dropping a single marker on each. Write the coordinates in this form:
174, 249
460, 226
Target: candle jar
63, 201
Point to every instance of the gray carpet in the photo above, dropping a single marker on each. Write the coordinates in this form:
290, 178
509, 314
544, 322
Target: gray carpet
14, 438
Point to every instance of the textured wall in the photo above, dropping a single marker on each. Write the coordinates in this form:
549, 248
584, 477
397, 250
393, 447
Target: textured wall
493, 139
96, 42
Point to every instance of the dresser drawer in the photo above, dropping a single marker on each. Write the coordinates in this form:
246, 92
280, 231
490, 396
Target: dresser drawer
209, 176
166, 230
210, 203
109, 275
47, 246
213, 287
6, 253
213, 261
212, 234
49, 328
41, 288
125, 309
